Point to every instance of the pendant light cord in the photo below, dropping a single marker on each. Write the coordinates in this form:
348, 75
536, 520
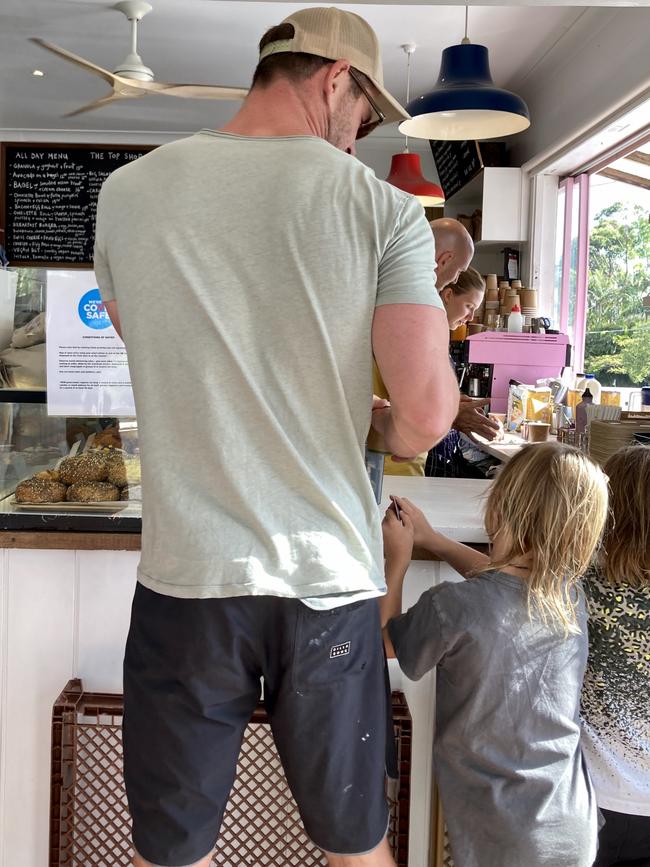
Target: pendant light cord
408, 92
408, 48
465, 40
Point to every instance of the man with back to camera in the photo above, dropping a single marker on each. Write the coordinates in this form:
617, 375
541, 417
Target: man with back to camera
261, 547
454, 252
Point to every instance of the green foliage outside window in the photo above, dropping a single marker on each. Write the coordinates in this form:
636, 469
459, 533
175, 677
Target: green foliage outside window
617, 345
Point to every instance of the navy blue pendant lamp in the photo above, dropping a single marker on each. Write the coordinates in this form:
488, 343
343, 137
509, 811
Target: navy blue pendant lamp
465, 104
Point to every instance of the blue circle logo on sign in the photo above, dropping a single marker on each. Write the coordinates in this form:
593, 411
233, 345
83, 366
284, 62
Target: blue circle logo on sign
92, 311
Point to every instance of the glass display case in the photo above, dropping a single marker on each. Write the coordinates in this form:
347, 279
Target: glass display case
71, 473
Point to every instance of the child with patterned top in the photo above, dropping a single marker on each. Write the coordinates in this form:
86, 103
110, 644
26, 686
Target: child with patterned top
509, 646
615, 697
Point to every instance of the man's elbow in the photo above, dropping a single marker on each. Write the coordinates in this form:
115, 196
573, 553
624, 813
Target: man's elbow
428, 426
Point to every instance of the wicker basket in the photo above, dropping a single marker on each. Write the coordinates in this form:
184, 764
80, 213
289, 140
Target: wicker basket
90, 824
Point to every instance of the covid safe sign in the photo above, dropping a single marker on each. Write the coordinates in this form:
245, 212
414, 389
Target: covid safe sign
87, 366
92, 311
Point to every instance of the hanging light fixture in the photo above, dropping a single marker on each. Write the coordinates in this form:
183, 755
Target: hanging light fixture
405, 168
465, 104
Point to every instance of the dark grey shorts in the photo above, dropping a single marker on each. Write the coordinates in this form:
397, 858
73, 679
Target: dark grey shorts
191, 682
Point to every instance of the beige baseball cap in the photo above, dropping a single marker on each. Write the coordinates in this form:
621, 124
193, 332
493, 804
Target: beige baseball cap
339, 35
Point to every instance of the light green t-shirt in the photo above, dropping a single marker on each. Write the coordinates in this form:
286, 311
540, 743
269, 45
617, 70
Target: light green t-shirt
246, 272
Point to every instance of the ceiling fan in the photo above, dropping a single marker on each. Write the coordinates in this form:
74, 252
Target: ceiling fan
131, 78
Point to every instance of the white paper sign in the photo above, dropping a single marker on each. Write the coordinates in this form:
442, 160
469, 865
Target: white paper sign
87, 368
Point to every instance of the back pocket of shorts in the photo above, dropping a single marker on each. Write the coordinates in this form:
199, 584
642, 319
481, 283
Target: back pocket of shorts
335, 644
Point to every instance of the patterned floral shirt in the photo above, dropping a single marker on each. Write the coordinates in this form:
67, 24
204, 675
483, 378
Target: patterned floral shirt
615, 710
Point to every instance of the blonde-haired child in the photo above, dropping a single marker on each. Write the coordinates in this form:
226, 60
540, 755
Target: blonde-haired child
510, 649
616, 693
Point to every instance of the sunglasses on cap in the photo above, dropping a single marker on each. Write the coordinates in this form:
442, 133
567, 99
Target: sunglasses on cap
366, 128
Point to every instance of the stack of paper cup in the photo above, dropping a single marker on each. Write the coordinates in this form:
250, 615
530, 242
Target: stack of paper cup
528, 304
491, 301
510, 299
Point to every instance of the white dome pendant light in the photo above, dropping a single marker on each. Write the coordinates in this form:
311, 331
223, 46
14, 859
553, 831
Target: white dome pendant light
465, 104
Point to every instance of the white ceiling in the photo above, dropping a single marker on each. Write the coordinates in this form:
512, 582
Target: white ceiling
214, 42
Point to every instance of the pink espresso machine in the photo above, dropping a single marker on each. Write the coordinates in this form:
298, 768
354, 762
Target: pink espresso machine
524, 357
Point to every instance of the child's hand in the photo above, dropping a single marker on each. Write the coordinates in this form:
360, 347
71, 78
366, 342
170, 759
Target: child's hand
422, 529
398, 539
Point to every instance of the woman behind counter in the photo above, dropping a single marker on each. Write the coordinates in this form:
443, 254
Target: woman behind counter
461, 300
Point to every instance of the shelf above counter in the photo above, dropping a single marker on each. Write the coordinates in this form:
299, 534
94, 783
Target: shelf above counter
499, 194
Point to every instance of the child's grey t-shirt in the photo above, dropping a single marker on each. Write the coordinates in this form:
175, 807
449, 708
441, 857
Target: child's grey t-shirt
507, 759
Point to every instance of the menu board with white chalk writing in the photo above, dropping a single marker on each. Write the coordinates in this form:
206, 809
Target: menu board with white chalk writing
457, 162
49, 199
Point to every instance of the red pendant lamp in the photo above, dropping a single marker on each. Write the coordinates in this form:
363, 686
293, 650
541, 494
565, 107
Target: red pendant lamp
405, 168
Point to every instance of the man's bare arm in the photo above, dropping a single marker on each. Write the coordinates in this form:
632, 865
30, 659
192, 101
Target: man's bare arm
411, 346
113, 315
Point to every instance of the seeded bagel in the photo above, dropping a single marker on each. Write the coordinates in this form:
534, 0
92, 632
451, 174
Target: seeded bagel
124, 471
90, 467
40, 491
92, 492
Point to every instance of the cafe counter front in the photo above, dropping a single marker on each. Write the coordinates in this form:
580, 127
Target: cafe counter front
65, 599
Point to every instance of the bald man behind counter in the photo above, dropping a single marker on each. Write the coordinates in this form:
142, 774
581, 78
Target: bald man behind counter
454, 250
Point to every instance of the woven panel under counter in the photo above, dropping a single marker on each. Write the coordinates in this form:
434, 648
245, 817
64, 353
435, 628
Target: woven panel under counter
90, 824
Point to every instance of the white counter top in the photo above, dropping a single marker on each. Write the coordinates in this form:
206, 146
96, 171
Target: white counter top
506, 448
453, 506
501, 449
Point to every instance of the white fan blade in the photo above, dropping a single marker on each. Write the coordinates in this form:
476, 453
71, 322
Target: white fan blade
193, 91
98, 103
74, 58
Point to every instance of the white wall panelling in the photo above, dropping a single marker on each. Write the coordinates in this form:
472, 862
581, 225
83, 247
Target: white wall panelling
65, 614
38, 638
108, 582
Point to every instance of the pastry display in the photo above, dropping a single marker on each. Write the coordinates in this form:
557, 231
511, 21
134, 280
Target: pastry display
92, 492
112, 438
88, 467
106, 472
108, 438
49, 475
124, 470
40, 490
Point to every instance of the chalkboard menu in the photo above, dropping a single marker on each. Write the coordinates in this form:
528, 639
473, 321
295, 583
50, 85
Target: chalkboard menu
457, 162
49, 199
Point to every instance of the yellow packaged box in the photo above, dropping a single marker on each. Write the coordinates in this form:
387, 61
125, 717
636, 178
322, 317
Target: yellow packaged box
528, 403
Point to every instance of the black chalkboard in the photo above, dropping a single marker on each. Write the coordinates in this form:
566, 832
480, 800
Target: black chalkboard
457, 162
49, 199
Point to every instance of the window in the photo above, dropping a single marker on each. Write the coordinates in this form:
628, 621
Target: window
572, 262
617, 340
602, 268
